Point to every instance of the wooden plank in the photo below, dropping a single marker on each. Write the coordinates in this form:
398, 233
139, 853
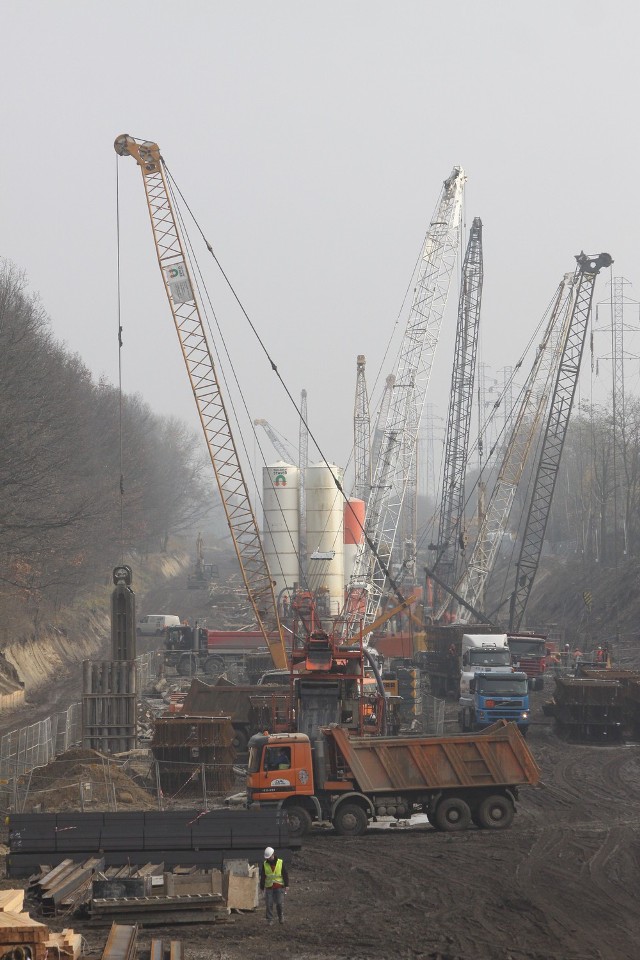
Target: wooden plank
20, 927
11, 901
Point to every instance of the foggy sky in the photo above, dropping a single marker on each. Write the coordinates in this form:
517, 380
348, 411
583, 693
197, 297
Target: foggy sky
311, 140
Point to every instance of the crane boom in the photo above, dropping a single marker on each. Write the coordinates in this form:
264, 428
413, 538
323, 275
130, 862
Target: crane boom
398, 444
206, 390
361, 434
381, 420
279, 444
587, 269
535, 396
460, 405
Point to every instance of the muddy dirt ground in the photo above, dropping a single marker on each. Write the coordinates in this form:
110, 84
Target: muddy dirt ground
561, 884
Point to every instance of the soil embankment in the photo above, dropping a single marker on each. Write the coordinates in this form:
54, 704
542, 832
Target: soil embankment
42, 673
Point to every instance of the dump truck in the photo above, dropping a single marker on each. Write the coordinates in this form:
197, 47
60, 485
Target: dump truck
529, 654
194, 649
348, 781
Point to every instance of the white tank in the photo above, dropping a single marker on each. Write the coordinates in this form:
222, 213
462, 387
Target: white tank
325, 533
280, 491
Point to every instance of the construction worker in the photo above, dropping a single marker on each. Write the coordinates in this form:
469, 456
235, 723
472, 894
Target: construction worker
274, 880
600, 655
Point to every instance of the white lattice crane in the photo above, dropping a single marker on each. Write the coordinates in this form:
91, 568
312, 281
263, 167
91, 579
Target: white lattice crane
413, 371
361, 434
535, 398
279, 444
450, 529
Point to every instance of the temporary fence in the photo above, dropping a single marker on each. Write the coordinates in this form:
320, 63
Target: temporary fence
118, 785
149, 669
433, 715
27, 748
34, 746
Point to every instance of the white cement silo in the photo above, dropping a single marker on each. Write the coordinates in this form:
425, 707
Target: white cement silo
280, 492
325, 533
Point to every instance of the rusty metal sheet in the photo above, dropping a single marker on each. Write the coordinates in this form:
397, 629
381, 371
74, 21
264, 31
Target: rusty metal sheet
121, 942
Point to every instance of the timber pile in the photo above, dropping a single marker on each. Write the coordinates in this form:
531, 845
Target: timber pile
20, 934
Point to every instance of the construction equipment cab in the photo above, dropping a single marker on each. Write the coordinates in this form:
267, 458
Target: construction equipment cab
154, 624
496, 695
485, 652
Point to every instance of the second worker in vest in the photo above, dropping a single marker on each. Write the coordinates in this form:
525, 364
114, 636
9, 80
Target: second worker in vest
274, 880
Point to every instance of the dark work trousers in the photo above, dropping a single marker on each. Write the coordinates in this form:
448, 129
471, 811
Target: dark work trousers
274, 897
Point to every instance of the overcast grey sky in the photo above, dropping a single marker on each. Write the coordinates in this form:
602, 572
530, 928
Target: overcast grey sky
312, 140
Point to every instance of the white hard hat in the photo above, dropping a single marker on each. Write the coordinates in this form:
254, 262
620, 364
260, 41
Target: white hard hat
268, 852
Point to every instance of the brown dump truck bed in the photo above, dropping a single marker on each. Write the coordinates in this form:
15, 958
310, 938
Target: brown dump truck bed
498, 756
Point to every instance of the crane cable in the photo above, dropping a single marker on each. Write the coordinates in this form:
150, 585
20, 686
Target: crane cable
275, 370
119, 318
207, 307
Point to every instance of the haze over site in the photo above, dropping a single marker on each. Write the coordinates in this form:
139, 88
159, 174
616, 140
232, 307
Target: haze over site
311, 141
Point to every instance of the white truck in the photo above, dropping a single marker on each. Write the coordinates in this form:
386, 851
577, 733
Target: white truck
483, 653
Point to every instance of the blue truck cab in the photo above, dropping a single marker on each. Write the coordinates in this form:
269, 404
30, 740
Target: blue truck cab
495, 696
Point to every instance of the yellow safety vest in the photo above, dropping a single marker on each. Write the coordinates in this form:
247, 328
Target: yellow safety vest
273, 876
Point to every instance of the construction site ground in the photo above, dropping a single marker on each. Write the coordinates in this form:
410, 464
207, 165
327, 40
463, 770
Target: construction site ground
561, 884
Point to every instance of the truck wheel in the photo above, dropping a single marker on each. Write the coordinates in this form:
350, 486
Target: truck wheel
452, 814
186, 666
214, 666
299, 822
496, 813
350, 820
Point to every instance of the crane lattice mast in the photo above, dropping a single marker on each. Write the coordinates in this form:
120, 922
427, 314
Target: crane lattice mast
281, 447
206, 390
303, 451
460, 407
397, 448
587, 270
361, 434
381, 419
535, 398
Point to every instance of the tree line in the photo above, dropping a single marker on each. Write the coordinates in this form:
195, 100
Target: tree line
61, 498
